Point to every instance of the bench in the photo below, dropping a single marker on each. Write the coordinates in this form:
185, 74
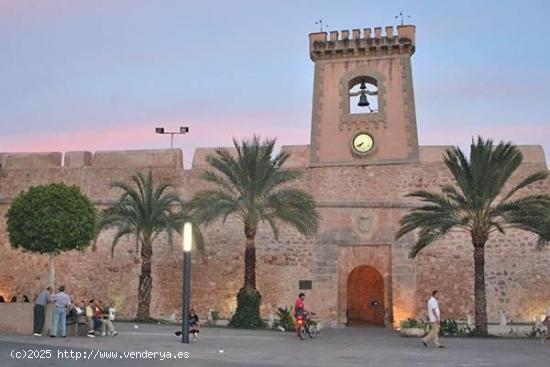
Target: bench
77, 326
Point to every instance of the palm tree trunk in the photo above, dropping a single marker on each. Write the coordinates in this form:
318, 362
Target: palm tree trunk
145, 282
479, 289
250, 259
247, 314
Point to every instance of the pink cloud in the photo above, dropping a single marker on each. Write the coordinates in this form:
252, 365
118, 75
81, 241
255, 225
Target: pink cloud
141, 135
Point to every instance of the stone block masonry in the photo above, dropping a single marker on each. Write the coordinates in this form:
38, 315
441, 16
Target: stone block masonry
360, 207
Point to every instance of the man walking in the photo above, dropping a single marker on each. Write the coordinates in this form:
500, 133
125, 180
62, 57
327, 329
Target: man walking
40, 310
435, 320
62, 301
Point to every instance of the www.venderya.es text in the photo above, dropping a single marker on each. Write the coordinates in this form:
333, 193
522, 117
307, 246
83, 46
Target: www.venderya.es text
94, 354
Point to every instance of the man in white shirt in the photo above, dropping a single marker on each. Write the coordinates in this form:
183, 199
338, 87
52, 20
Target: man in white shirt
435, 320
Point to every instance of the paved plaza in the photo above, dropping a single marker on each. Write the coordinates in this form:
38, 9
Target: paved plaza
227, 347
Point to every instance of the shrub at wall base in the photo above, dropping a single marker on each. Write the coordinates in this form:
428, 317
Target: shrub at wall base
247, 315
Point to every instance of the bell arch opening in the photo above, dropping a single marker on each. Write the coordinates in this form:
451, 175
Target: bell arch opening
365, 297
363, 95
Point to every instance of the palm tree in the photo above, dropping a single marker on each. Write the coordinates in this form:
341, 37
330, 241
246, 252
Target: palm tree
144, 211
477, 203
253, 187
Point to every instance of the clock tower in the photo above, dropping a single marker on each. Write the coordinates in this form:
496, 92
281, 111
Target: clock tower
363, 98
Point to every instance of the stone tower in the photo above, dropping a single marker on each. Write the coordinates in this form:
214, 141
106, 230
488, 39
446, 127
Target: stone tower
363, 98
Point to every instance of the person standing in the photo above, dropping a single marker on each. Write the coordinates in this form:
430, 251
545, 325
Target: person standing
435, 321
62, 301
112, 316
40, 310
546, 323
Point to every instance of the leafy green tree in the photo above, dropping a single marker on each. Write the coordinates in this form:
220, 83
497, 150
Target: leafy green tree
252, 186
50, 219
478, 204
145, 210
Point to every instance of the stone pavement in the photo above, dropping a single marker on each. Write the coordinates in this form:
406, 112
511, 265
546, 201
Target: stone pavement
227, 347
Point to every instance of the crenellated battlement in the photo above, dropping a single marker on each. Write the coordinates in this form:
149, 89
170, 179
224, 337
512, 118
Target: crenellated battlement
323, 45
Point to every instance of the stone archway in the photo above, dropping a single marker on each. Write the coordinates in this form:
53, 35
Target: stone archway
365, 296
377, 258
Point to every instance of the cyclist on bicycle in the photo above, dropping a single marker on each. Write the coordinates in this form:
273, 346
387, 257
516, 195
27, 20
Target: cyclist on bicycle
303, 324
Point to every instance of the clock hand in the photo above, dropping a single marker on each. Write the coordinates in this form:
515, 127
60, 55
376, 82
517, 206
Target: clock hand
360, 144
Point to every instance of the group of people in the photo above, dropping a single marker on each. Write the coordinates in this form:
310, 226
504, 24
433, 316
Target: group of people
98, 317
14, 299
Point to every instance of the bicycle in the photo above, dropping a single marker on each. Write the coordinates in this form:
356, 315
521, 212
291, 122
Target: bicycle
305, 326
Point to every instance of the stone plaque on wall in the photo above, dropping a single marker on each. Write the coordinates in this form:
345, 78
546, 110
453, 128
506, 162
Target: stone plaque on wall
305, 284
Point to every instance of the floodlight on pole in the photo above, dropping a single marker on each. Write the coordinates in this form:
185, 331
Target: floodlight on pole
183, 130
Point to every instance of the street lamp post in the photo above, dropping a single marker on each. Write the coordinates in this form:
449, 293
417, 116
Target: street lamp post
183, 130
187, 244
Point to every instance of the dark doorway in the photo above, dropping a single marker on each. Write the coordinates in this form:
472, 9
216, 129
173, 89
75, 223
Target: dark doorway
365, 296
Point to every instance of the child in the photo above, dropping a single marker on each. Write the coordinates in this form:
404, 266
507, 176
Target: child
112, 312
94, 323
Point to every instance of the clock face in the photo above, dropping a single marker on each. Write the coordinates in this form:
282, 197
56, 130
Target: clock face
362, 143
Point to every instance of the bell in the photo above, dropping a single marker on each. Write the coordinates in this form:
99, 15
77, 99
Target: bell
363, 102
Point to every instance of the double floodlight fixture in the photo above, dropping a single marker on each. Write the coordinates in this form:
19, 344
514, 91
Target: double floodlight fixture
183, 130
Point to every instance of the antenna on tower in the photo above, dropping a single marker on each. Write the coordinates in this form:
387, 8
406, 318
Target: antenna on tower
321, 25
402, 17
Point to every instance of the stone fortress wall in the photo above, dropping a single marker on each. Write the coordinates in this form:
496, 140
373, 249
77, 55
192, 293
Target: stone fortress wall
359, 205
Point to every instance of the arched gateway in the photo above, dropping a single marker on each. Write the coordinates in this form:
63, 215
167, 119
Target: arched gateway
364, 291
365, 296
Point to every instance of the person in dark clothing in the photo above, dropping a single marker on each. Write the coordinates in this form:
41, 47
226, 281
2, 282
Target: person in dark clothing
2, 300
13, 299
40, 309
193, 321
25, 299
193, 324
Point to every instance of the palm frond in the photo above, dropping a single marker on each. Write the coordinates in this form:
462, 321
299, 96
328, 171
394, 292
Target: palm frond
455, 195
521, 205
529, 215
144, 210
251, 185
121, 232
538, 176
228, 166
296, 208
209, 205
435, 198
470, 203
426, 236
274, 229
